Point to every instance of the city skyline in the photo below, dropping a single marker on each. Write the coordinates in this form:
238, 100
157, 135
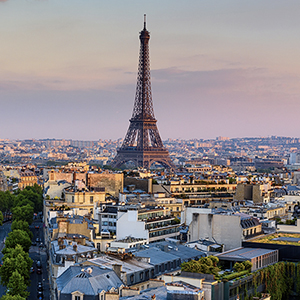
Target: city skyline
69, 68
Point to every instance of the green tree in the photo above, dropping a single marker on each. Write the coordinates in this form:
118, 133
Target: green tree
35, 197
239, 267
17, 285
10, 297
6, 201
205, 265
18, 237
11, 265
22, 200
12, 253
24, 213
1, 218
22, 225
247, 264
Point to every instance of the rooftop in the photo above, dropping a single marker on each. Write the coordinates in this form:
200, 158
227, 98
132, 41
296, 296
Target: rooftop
244, 253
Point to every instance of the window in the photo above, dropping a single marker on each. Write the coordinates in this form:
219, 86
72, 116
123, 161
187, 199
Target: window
77, 298
91, 199
72, 199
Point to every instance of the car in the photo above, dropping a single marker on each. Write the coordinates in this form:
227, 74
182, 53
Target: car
36, 226
38, 270
31, 270
41, 245
38, 240
40, 295
40, 286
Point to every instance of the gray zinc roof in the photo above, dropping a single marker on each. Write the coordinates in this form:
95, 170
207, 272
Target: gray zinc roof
244, 253
77, 278
156, 255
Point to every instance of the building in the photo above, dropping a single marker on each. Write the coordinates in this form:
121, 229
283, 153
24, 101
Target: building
27, 178
68, 250
221, 226
88, 283
152, 224
260, 258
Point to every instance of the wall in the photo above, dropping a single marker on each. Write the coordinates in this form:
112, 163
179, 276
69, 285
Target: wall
193, 281
112, 182
141, 184
289, 228
127, 225
224, 229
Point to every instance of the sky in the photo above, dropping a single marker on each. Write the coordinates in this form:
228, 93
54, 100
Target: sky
229, 68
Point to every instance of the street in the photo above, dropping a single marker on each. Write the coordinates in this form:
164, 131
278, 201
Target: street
36, 253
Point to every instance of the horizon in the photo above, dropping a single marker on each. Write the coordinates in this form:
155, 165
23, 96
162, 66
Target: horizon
165, 140
69, 69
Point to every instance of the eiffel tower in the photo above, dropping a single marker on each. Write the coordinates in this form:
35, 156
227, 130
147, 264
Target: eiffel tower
142, 144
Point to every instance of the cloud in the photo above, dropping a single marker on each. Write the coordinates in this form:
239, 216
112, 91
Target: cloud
243, 80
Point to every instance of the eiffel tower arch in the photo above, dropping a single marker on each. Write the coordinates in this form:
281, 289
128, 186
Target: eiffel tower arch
142, 144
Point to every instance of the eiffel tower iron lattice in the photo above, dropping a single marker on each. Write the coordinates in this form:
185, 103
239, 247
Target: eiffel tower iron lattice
142, 144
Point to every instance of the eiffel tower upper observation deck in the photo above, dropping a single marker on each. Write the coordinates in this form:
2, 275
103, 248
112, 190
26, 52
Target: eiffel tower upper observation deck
142, 144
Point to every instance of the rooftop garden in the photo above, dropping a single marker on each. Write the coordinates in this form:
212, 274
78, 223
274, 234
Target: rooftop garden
210, 265
280, 280
280, 239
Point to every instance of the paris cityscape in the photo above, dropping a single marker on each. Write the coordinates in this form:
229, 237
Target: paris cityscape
175, 176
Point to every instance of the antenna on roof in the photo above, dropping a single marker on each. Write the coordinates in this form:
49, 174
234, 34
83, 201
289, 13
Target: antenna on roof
144, 21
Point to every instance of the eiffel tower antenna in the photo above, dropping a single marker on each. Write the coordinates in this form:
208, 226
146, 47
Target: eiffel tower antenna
142, 144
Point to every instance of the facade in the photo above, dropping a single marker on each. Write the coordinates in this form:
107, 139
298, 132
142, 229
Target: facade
108, 182
150, 224
83, 198
27, 178
253, 192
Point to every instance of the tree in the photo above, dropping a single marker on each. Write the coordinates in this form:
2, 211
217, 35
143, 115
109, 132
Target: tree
6, 201
247, 264
22, 225
214, 259
12, 253
239, 267
24, 213
22, 200
18, 237
35, 197
10, 297
205, 265
17, 285
1, 218
11, 265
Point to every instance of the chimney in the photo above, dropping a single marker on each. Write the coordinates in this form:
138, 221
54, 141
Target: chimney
153, 297
75, 248
117, 269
